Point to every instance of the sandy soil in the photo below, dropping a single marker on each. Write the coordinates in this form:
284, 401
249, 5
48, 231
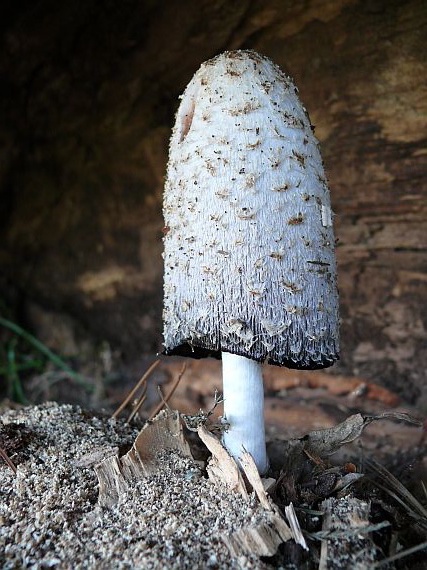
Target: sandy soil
50, 517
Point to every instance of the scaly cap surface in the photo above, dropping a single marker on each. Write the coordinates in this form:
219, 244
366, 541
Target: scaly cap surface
249, 244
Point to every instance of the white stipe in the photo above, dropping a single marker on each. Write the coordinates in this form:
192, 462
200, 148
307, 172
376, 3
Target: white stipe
244, 408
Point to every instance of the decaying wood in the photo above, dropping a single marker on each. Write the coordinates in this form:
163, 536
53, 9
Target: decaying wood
96, 456
115, 474
111, 481
165, 432
295, 526
262, 539
222, 468
347, 544
346, 529
302, 468
249, 469
360, 67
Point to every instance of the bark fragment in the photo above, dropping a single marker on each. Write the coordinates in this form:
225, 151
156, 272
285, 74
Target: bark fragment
347, 544
115, 474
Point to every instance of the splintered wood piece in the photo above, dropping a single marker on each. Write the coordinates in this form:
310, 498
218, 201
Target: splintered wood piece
295, 526
222, 468
262, 539
96, 456
163, 433
111, 481
347, 542
248, 465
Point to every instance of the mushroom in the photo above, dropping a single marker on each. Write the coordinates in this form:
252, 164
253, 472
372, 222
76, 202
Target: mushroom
250, 273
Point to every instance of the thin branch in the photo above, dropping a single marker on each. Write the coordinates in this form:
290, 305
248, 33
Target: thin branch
170, 393
135, 389
7, 460
138, 404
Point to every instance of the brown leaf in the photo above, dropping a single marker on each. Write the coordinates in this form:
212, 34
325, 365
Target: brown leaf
327, 441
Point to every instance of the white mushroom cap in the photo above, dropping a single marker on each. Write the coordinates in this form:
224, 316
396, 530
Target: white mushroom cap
249, 245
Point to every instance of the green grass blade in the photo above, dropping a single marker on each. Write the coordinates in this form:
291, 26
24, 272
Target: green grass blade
15, 385
55, 359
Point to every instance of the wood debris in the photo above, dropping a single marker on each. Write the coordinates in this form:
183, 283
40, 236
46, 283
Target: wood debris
302, 474
347, 542
295, 526
264, 538
165, 432
115, 474
255, 481
327, 441
290, 455
221, 467
172, 518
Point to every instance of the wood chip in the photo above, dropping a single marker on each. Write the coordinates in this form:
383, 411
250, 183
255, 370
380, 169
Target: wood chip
222, 469
262, 539
347, 543
295, 526
114, 474
249, 468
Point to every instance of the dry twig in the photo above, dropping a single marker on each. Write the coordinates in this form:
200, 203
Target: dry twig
169, 395
138, 404
135, 389
7, 460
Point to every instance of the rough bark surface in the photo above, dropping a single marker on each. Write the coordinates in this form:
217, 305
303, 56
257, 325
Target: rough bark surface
88, 95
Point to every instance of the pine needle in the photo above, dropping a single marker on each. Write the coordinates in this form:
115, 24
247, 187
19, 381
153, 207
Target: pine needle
138, 404
399, 492
401, 554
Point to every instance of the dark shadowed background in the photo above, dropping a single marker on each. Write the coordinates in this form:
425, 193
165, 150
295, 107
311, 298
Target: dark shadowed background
88, 92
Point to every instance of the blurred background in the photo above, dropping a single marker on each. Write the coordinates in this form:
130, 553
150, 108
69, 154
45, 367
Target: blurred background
88, 93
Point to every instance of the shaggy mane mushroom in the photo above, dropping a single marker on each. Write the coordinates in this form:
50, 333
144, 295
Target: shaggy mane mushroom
250, 274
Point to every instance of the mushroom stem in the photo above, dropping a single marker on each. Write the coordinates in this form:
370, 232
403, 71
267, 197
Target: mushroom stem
244, 408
